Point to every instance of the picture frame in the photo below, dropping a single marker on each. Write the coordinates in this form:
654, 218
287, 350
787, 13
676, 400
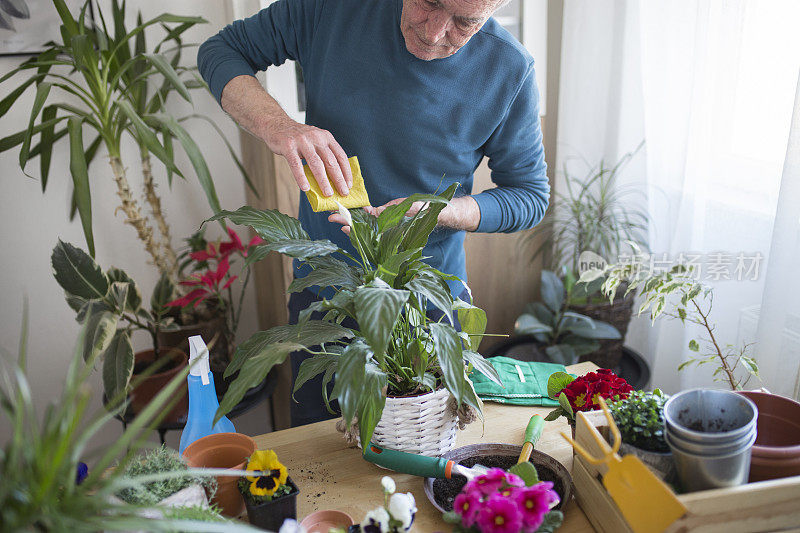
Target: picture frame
26, 25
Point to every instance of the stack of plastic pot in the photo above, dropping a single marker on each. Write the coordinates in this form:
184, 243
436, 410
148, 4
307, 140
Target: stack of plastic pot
710, 433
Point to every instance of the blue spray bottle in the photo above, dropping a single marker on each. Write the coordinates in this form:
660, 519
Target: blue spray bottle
203, 402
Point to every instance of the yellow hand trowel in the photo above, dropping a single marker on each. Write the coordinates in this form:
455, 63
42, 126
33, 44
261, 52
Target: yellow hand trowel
645, 501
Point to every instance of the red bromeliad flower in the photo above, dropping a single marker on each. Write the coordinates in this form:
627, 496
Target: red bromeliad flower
207, 285
582, 393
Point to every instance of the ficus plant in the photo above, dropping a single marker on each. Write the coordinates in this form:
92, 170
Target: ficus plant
103, 79
395, 348
676, 293
565, 335
109, 305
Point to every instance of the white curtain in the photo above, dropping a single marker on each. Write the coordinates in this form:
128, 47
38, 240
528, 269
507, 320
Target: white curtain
709, 85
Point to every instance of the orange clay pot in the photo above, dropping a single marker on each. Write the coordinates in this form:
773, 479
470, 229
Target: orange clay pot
223, 450
151, 386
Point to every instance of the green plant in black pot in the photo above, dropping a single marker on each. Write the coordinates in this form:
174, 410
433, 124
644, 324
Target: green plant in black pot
640, 419
396, 349
564, 335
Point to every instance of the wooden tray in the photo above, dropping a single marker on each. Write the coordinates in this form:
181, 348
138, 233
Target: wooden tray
763, 506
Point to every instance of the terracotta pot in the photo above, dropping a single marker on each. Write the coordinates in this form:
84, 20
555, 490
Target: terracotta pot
151, 386
223, 450
776, 452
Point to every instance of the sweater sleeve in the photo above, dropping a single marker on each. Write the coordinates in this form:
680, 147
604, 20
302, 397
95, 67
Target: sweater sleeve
281, 31
518, 169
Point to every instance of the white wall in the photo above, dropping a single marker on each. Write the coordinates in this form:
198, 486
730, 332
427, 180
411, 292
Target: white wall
31, 223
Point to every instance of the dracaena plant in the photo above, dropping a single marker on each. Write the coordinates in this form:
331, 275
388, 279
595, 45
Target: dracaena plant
114, 87
395, 349
110, 307
565, 335
45, 483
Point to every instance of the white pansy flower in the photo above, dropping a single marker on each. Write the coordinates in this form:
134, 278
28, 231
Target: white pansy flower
345, 213
402, 507
377, 517
388, 485
291, 526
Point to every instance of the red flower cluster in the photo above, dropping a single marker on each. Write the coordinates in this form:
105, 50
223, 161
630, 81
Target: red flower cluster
213, 281
582, 393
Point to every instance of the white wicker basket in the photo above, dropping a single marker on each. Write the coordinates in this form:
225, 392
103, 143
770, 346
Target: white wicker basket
424, 425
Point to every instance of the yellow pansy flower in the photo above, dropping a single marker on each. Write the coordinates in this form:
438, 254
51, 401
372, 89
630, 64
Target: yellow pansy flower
268, 474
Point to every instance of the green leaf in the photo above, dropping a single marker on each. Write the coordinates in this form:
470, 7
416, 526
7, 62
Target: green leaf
253, 371
6, 143
482, 365
163, 66
314, 366
472, 320
134, 297
552, 521
101, 326
562, 353
750, 364
556, 383
327, 272
350, 377
529, 325
77, 273
564, 403
393, 214
377, 311
118, 294
148, 138
163, 293
13, 96
527, 472
597, 330
118, 365
554, 414
434, 289
270, 224
371, 401
48, 138
80, 179
42, 91
419, 229
452, 517
299, 249
682, 314
66, 17
310, 334
552, 291
450, 357
693, 346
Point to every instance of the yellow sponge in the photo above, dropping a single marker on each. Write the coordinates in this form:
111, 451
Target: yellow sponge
358, 193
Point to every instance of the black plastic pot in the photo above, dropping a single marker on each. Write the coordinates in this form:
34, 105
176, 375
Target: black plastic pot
270, 515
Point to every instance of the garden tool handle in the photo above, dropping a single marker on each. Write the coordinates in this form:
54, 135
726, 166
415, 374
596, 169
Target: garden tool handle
532, 434
408, 463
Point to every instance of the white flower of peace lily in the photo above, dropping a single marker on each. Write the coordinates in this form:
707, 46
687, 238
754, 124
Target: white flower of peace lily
345, 213
291, 526
377, 518
388, 485
402, 507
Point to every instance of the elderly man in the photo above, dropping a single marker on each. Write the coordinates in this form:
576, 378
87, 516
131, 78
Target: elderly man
417, 89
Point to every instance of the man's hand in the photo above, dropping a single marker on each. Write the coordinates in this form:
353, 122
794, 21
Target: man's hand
255, 110
463, 213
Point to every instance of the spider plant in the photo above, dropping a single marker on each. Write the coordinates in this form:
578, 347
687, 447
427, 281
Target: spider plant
113, 87
593, 214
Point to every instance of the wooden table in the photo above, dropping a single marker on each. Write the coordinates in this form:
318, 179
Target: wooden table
332, 476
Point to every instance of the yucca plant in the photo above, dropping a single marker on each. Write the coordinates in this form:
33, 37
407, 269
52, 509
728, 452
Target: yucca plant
396, 349
115, 88
39, 464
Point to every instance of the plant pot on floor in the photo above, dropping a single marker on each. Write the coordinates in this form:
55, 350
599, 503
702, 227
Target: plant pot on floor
147, 389
223, 450
776, 452
270, 515
617, 313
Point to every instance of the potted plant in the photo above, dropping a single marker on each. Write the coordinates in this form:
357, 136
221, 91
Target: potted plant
505, 502
396, 515
110, 307
174, 491
589, 222
396, 351
564, 335
114, 87
640, 419
45, 485
210, 308
581, 393
270, 495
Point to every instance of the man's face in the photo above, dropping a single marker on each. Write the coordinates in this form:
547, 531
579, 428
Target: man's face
434, 29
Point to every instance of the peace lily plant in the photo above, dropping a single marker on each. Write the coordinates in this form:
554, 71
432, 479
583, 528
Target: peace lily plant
395, 349
112, 87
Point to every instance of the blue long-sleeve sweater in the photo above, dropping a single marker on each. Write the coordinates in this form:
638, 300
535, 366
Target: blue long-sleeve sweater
409, 121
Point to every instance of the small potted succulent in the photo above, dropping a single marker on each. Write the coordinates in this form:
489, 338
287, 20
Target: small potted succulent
640, 419
580, 394
176, 491
562, 334
505, 502
270, 495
